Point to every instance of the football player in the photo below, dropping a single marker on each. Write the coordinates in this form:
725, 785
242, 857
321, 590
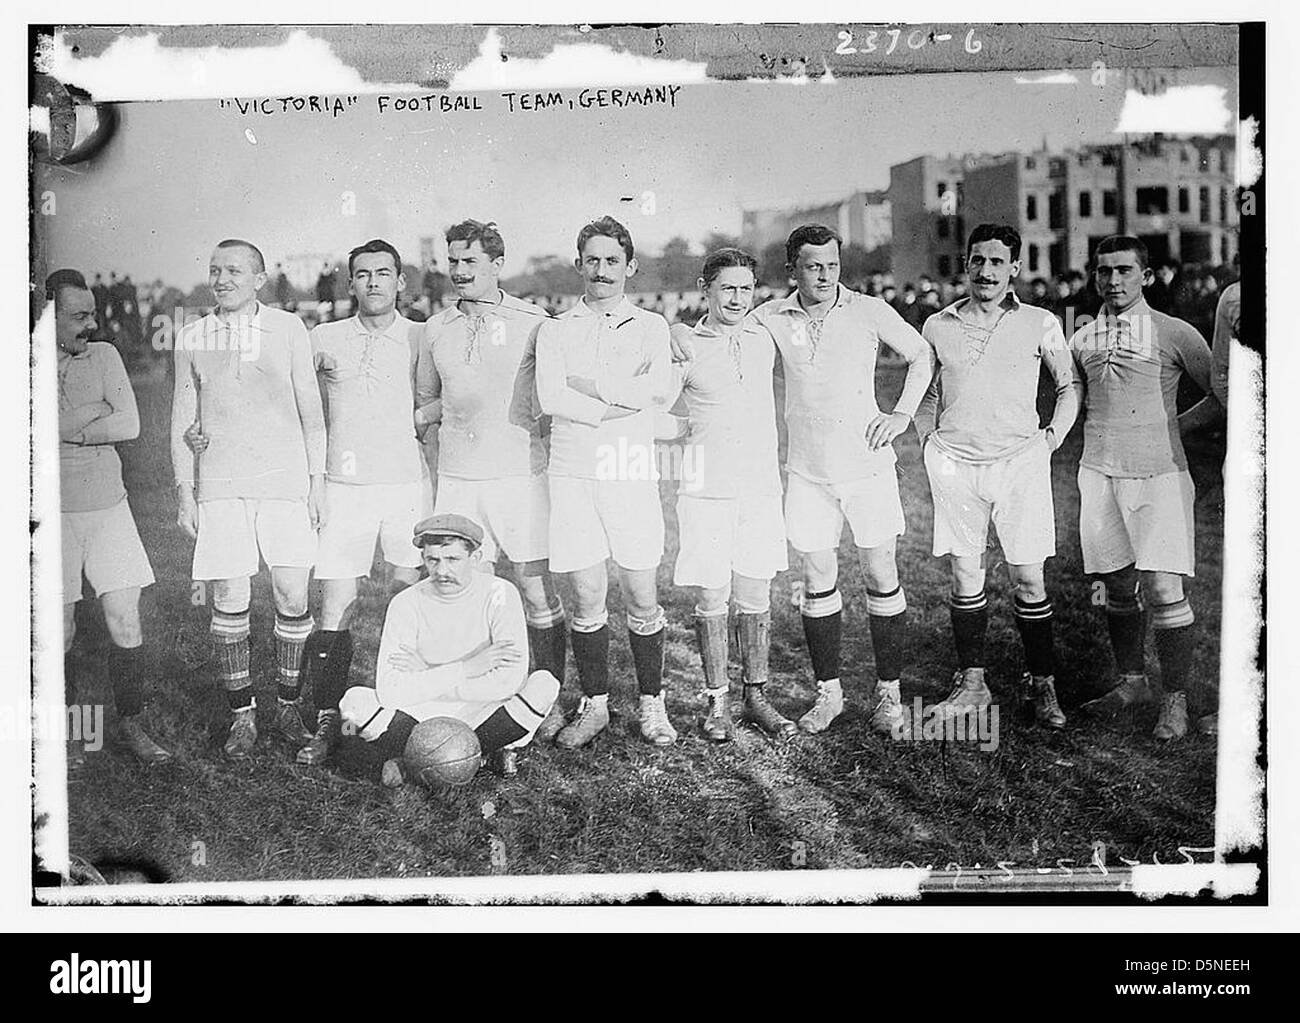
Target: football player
454, 645
476, 382
1136, 523
373, 469
603, 369
840, 461
988, 460
96, 411
730, 523
245, 383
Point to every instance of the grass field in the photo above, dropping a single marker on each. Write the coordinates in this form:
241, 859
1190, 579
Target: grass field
851, 797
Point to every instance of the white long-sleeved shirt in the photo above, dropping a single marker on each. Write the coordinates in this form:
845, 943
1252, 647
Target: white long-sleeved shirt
1128, 370
608, 348
90, 472
476, 376
982, 405
254, 384
444, 632
830, 381
369, 382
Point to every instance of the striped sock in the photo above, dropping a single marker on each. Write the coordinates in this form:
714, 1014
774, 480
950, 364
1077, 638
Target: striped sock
1127, 626
887, 617
1175, 642
823, 615
230, 644
1034, 620
970, 624
291, 632
548, 639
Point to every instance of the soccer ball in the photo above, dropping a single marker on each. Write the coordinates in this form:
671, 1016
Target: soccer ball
442, 752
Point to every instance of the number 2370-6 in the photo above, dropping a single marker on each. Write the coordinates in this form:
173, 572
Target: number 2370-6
916, 39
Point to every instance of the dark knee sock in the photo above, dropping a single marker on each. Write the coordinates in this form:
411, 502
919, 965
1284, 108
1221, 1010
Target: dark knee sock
970, 626
1126, 623
1175, 642
499, 730
591, 653
823, 615
887, 618
392, 743
648, 661
126, 669
1034, 620
327, 659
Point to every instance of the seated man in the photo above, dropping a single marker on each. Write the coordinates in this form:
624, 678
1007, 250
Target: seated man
454, 645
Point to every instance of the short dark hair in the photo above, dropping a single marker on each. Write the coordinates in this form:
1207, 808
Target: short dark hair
1124, 243
809, 234
607, 227
64, 278
720, 259
259, 263
375, 245
443, 539
487, 235
1004, 233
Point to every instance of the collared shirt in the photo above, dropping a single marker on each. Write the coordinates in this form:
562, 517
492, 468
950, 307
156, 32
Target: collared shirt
369, 382
982, 404
90, 472
444, 632
253, 387
830, 381
1128, 369
611, 349
480, 367
731, 449
1227, 328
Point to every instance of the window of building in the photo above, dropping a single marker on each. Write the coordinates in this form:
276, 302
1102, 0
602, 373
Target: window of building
1031, 207
1056, 210
942, 189
1033, 258
1085, 204
1153, 199
1109, 202
945, 266
1184, 199
1205, 205
1030, 163
943, 227
1223, 248
1185, 155
1108, 158
1223, 205
961, 232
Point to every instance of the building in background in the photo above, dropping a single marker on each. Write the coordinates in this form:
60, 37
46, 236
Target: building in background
1176, 194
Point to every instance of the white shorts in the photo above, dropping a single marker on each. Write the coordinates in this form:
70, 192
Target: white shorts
815, 512
105, 545
1014, 493
356, 513
592, 520
721, 536
514, 512
1148, 521
234, 531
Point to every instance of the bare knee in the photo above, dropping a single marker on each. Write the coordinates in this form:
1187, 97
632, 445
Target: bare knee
880, 567
289, 586
122, 616
753, 596
231, 595
589, 587
1162, 587
967, 576
821, 570
711, 600
1028, 584
337, 603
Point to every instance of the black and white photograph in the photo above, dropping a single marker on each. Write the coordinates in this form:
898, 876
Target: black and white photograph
577, 464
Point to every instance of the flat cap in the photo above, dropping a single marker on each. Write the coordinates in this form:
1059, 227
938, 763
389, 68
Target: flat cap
448, 525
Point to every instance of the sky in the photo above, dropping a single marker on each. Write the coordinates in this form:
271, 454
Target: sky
180, 175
